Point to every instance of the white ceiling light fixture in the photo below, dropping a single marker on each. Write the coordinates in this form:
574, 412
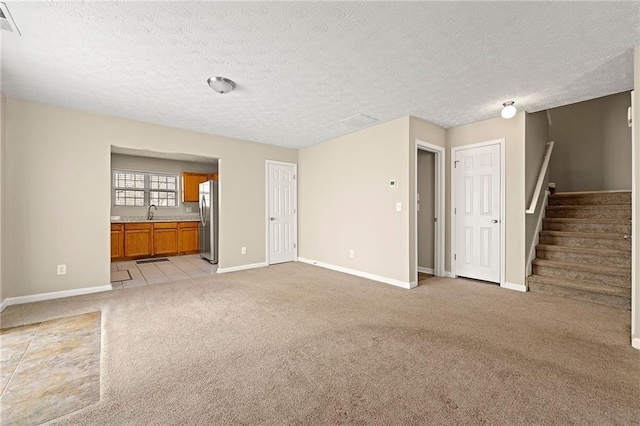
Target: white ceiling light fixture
508, 110
221, 85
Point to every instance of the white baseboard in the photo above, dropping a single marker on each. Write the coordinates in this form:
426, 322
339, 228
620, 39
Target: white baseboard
635, 342
4, 304
514, 286
449, 274
9, 301
242, 267
425, 270
397, 283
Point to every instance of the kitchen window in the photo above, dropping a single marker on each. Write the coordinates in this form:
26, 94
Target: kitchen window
140, 189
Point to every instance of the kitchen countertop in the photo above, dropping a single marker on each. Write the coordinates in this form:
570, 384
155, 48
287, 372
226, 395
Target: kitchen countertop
158, 218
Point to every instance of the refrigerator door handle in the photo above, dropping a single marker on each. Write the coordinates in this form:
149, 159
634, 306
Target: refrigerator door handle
202, 207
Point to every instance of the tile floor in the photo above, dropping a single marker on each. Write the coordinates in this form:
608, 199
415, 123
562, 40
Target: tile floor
132, 274
49, 369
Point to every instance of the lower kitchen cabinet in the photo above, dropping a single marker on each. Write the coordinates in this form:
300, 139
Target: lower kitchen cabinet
138, 240
117, 241
189, 237
165, 238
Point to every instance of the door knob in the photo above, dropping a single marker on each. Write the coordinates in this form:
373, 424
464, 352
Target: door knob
272, 219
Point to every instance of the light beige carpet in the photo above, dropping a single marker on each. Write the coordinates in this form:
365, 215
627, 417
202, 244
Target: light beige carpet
297, 344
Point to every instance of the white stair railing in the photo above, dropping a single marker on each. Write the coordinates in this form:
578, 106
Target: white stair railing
540, 182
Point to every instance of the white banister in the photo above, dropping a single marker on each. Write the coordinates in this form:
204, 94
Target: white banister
543, 173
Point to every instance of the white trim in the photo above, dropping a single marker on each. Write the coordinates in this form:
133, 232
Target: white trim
425, 270
503, 202
635, 223
439, 205
4, 304
241, 267
9, 301
449, 274
397, 283
266, 206
536, 238
514, 286
541, 176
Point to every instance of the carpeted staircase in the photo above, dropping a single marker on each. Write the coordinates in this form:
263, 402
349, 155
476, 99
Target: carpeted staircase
585, 248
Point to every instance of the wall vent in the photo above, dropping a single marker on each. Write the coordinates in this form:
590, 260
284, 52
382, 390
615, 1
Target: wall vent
6, 21
359, 120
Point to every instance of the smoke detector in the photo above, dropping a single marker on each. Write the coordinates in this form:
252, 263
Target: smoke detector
6, 21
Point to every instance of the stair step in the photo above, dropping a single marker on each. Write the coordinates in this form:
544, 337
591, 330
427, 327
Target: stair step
590, 197
606, 275
622, 226
610, 211
600, 240
604, 257
616, 297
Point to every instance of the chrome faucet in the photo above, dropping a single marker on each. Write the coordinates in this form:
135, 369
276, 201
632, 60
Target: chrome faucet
150, 213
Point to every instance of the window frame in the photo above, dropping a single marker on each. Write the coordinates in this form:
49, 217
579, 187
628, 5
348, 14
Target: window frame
147, 187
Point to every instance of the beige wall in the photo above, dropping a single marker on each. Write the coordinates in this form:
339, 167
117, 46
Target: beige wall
513, 131
58, 192
536, 138
426, 213
635, 303
593, 145
3, 145
425, 132
132, 162
345, 202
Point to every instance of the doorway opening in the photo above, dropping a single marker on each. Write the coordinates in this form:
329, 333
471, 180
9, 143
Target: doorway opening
429, 211
161, 228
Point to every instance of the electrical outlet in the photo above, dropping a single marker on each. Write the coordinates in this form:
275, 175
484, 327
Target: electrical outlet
243, 250
189, 209
352, 254
62, 269
398, 206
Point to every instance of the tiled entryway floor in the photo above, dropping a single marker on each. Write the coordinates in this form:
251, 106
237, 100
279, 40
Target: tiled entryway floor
132, 274
49, 369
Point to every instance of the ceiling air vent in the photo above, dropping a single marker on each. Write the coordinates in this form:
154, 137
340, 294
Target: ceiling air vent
6, 21
359, 120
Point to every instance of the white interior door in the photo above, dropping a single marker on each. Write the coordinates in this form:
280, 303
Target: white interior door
282, 212
477, 213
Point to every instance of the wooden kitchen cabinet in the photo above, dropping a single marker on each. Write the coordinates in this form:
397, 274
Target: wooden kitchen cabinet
188, 237
165, 238
138, 239
148, 239
190, 189
117, 241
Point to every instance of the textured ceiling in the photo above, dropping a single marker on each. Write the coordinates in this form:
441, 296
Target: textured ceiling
300, 68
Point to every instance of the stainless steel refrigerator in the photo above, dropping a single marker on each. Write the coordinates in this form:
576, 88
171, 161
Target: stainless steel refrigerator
209, 221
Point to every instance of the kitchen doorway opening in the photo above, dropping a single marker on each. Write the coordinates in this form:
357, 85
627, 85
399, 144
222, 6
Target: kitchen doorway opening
164, 218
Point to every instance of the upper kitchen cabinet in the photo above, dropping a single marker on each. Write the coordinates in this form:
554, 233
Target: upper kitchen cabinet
190, 182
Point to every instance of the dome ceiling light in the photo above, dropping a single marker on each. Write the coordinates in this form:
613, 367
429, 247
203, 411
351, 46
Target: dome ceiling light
221, 85
508, 110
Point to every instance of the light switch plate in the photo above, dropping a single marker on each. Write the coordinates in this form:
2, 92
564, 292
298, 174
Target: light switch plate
398, 206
